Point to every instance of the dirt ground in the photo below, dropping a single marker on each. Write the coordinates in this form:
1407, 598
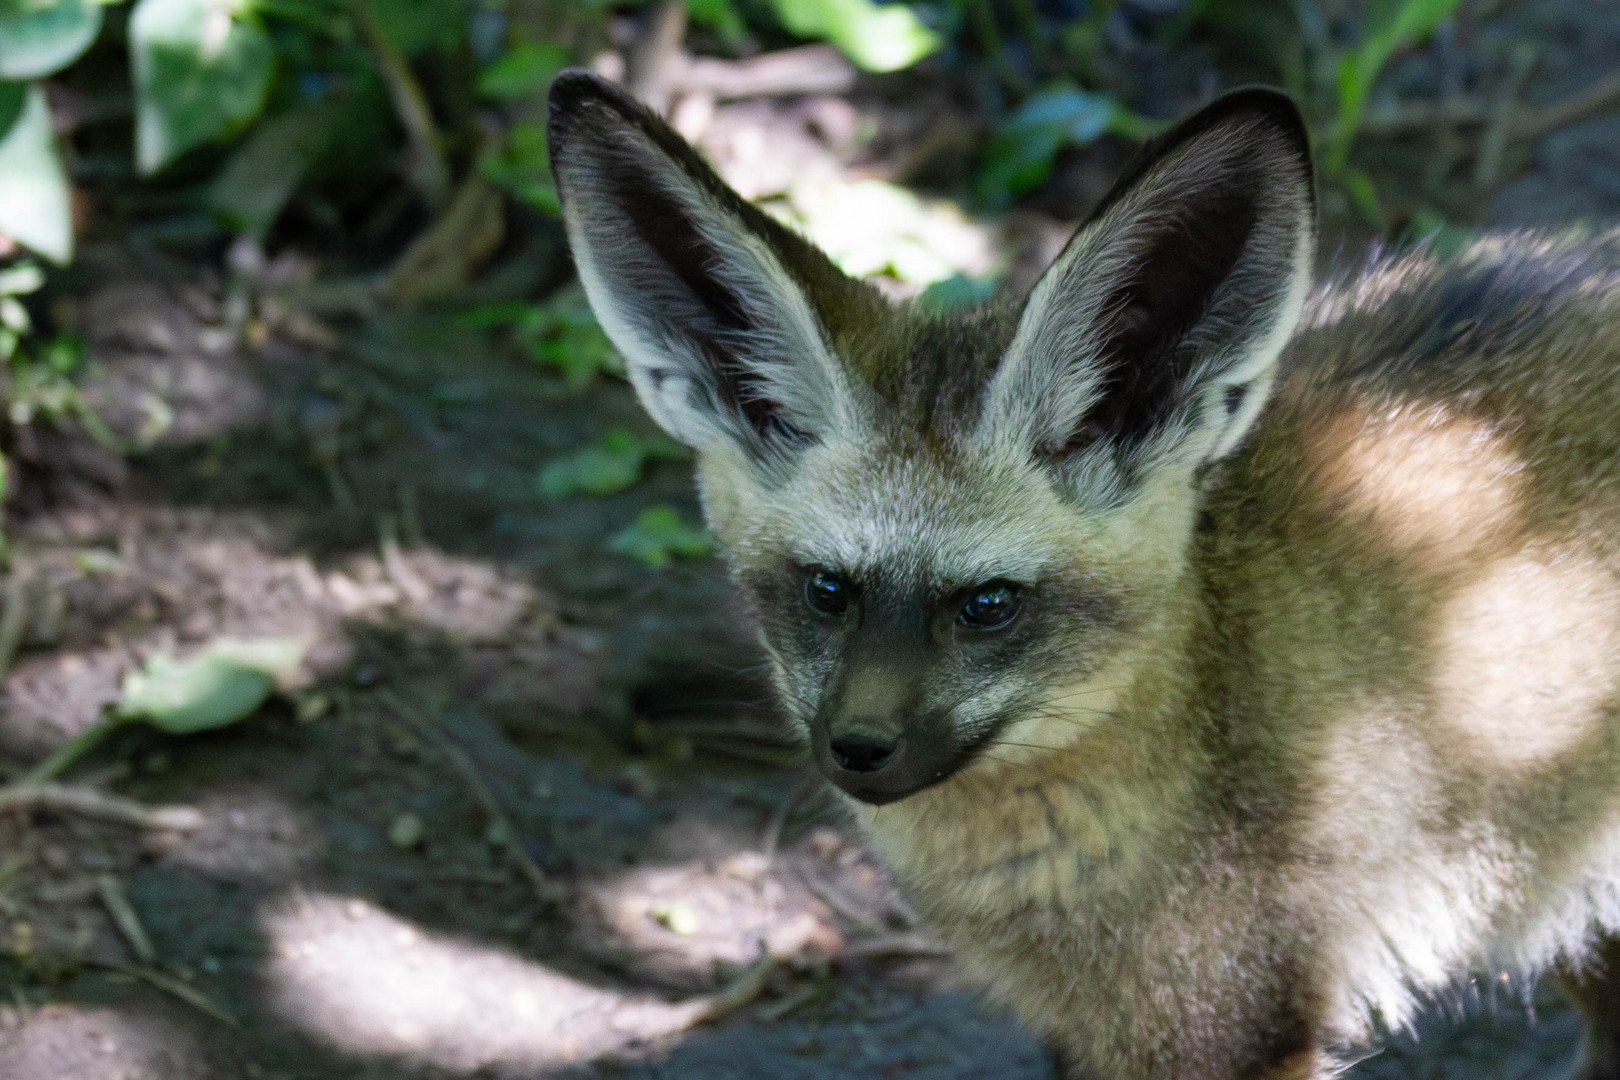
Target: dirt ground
522, 812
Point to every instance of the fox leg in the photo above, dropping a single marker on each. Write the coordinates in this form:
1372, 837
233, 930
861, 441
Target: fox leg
1596, 990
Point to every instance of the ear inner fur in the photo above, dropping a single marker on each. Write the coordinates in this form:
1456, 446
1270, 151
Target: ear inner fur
1183, 287
719, 311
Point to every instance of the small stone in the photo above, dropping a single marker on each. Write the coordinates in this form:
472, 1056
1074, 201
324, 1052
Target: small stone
406, 831
313, 706
637, 779
678, 918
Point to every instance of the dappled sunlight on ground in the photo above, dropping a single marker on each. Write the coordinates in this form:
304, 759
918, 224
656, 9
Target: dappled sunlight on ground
133, 580
364, 980
70, 1042
704, 899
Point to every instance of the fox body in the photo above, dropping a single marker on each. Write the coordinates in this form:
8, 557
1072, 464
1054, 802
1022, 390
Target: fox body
1222, 664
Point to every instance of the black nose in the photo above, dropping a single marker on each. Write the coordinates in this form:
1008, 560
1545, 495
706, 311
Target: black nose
859, 753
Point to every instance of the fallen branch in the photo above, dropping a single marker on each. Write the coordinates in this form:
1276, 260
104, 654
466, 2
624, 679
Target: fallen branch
808, 69
846, 908
1493, 144
780, 1008
742, 990
1530, 123
888, 946
102, 805
19, 599
1599, 97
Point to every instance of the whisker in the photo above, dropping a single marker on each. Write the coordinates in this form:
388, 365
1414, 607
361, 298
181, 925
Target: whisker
1025, 745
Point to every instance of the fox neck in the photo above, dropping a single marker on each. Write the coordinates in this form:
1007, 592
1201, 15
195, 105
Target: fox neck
1091, 793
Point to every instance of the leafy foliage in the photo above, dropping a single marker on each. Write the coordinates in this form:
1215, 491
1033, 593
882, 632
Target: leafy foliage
522, 167
659, 536
522, 71
1025, 144
878, 38
1394, 26
612, 466
561, 333
34, 202
202, 70
38, 39
224, 683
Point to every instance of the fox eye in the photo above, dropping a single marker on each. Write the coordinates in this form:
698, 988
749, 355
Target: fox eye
990, 607
827, 593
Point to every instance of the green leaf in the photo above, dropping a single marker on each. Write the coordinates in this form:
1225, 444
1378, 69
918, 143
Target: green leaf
414, 26
1020, 153
522, 167
658, 536
877, 38
41, 37
22, 278
612, 466
525, 70
1411, 22
13, 96
1364, 197
719, 15
262, 174
35, 204
219, 686
202, 69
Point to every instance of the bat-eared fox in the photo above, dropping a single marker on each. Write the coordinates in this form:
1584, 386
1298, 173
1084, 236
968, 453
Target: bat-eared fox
1222, 663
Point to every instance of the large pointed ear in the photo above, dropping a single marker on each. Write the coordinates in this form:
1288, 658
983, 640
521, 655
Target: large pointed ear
1154, 337
711, 302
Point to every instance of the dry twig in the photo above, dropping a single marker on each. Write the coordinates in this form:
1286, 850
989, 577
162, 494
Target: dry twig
105, 806
1531, 122
887, 946
174, 988
124, 917
807, 69
742, 990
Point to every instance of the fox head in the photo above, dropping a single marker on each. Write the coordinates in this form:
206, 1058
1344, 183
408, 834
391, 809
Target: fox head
944, 522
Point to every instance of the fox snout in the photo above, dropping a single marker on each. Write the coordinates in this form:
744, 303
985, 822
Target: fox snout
875, 741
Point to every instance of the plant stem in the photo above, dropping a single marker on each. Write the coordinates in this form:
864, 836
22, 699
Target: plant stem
429, 173
73, 750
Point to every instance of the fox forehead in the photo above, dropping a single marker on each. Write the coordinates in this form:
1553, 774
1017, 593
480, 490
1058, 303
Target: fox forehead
939, 516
